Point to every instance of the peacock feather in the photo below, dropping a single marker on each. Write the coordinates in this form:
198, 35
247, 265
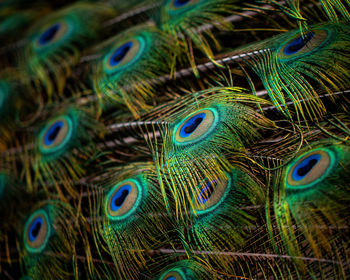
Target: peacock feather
197, 137
185, 269
119, 214
191, 22
128, 63
56, 149
48, 238
336, 11
221, 217
310, 189
174, 139
298, 70
55, 43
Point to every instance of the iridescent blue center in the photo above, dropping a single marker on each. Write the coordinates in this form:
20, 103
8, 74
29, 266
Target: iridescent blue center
191, 125
52, 133
47, 36
119, 197
35, 228
180, 3
304, 167
206, 192
297, 44
120, 53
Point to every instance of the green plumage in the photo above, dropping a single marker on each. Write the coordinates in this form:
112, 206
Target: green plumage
184, 19
197, 134
221, 215
129, 217
59, 147
47, 240
297, 71
185, 270
128, 64
335, 10
174, 139
55, 43
310, 197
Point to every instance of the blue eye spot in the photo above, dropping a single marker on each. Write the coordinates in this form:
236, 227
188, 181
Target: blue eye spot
180, 3
49, 34
207, 192
191, 125
35, 228
297, 44
120, 53
52, 133
304, 167
119, 197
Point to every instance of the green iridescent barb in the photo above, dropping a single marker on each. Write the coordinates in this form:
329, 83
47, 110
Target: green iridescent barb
310, 194
13, 203
198, 132
220, 220
64, 141
48, 240
13, 26
335, 10
186, 270
56, 41
129, 62
297, 71
183, 19
129, 217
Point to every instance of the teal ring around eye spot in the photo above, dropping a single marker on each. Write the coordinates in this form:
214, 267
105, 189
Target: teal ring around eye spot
27, 228
173, 274
114, 194
212, 200
138, 41
181, 137
65, 29
300, 161
179, 7
296, 48
42, 136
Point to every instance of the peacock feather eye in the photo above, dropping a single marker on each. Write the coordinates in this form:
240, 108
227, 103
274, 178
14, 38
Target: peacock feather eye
124, 54
180, 6
56, 135
123, 199
310, 168
196, 126
37, 231
56, 41
210, 194
173, 274
299, 46
185, 270
53, 34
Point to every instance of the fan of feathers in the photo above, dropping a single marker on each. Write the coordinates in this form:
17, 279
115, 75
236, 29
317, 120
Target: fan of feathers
175, 139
